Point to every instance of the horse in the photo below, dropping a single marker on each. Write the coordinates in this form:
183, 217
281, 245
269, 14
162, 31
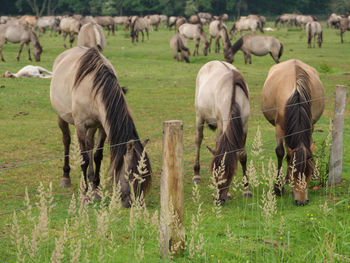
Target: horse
333, 21
222, 101
293, 100
219, 30
313, 29
196, 33
244, 24
91, 35
153, 20
178, 44
23, 35
214, 32
120, 20
106, 21
69, 26
29, 20
195, 19
258, 46
179, 22
259, 18
302, 20
286, 18
85, 92
29, 72
139, 25
51, 22
344, 26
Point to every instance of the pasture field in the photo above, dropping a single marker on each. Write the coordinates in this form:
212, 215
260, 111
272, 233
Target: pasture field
160, 89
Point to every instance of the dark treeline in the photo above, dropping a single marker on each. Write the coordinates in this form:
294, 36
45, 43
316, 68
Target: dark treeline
233, 8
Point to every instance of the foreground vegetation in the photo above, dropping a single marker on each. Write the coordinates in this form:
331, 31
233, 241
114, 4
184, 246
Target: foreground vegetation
53, 224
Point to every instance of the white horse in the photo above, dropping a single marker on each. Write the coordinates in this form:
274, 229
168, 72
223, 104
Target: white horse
313, 29
196, 33
29, 72
222, 101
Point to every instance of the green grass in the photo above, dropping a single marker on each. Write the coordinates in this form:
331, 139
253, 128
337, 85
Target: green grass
162, 89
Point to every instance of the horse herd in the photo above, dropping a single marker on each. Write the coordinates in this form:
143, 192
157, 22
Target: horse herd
85, 92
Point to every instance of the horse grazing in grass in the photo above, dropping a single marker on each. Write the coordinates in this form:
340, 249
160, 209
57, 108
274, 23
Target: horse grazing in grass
293, 100
258, 46
313, 29
246, 23
69, 26
196, 33
139, 25
23, 35
85, 92
222, 101
91, 35
178, 45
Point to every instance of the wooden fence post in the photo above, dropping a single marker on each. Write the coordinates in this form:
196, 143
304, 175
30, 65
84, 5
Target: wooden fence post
172, 234
335, 160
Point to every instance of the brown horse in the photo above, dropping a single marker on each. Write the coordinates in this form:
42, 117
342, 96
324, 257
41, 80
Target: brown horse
293, 100
222, 101
20, 34
85, 92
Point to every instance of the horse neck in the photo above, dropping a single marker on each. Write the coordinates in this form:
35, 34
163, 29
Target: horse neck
225, 38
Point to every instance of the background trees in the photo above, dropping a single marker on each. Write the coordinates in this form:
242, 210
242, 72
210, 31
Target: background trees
174, 7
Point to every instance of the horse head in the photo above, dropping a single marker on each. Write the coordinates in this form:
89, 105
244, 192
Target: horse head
229, 56
133, 185
300, 169
232, 31
37, 48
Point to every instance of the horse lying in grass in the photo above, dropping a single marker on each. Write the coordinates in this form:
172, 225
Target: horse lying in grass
258, 46
292, 100
222, 101
29, 72
85, 92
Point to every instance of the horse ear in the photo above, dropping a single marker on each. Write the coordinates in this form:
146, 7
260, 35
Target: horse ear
211, 150
145, 143
130, 146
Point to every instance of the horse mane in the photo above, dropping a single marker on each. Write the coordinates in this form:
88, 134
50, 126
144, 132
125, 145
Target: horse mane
237, 45
233, 139
281, 51
298, 121
121, 125
133, 27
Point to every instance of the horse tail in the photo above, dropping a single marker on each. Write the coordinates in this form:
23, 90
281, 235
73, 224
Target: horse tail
281, 51
298, 122
181, 45
98, 37
309, 33
237, 45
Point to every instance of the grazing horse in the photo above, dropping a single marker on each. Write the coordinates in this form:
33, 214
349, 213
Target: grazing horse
91, 35
293, 100
120, 20
196, 33
214, 32
218, 29
222, 101
313, 29
258, 46
20, 34
178, 45
29, 72
51, 22
85, 92
106, 21
245, 24
333, 21
344, 26
286, 18
69, 26
153, 20
139, 25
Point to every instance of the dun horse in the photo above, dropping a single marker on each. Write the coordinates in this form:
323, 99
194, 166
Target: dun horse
218, 29
246, 23
85, 92
258, 46
214, 32
196, 33
313, 29
293, 100
178, 45
69, 26
91, 35
29, 72
20, 34
344, 26
222, 101
139, 25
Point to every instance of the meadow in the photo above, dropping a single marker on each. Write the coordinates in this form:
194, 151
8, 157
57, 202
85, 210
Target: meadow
50, 224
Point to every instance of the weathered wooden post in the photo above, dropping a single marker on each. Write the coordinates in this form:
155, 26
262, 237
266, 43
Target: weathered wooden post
172, 234
335, 160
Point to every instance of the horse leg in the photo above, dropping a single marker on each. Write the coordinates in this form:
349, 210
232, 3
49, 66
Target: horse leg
341, 36
65, 182
98, 156
218, 45
243, 161
211, 38
71, 39
28, 49
90, 142
197, 47
198, 142
279, 187
64, 39
2, 57
81, 134
143, 36
147, 33
250, 58
20, 50
245, 57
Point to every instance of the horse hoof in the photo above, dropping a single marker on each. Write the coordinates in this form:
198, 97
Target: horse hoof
228, 196
196, 179
96, 195
278, 191
65, 182
248, 194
